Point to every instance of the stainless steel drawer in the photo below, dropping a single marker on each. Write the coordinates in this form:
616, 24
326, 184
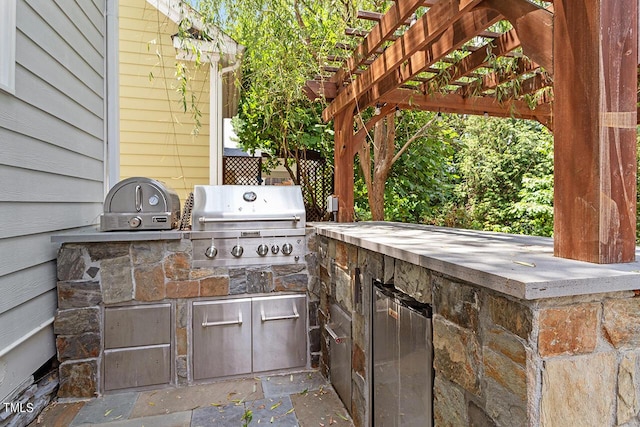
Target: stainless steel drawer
137, 367
279, 332
137, 325
221, 338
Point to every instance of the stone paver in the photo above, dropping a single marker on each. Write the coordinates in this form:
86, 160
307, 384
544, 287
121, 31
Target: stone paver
108, 408
177, 419
58, 415
283, 385
189, 398
218, 416
273, 411
322, 406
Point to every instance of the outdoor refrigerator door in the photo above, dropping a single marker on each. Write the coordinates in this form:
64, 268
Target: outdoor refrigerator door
385, 356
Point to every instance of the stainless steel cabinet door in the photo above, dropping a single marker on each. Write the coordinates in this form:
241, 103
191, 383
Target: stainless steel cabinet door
279, 332
221, 338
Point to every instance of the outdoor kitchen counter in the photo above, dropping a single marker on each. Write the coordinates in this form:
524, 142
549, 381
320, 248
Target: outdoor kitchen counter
93, 235
516, 265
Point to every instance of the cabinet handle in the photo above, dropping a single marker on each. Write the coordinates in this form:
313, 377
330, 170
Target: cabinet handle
206, 324
295, 315
334, 336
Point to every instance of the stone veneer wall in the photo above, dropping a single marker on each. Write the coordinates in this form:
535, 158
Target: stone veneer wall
499, 361
92, 275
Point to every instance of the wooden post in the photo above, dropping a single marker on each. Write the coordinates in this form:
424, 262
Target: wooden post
595, 66
343, 160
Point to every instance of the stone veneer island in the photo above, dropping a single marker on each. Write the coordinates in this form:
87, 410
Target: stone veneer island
521, 338
97, 271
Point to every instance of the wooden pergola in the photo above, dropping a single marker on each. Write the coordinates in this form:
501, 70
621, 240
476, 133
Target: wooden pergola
442, 56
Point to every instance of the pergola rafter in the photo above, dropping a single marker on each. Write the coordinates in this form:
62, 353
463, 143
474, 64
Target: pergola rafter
445, 56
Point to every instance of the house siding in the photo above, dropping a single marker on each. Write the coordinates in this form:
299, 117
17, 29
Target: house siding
157, 137
51, 168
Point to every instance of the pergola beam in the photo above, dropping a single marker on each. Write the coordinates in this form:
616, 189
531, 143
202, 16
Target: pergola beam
392, 20
437, 19
453, 103
504, 44
452, 38
534, 25
492, 80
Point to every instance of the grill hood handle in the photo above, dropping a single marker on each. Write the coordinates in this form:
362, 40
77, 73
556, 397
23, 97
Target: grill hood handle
204, 220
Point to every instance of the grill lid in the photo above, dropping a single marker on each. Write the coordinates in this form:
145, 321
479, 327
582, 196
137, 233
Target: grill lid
247, 207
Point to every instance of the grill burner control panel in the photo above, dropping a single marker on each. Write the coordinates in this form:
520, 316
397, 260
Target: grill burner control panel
247, 249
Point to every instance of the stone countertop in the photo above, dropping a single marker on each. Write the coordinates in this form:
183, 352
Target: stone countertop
516, 265
93, 235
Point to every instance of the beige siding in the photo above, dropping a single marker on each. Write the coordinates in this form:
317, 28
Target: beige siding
51, 168
157, 138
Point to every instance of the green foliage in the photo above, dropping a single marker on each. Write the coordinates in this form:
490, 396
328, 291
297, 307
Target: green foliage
286, 42
422, 178
506, 177
488, 174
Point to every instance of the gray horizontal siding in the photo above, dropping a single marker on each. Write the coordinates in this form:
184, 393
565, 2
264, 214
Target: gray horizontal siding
30, 218
25, 285
21, 117
32, 313
42, 95
22, 252
43, 65
46, 157
58, 26
51, 166
34, 186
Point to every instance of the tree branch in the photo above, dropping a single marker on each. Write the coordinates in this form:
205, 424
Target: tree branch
417, 135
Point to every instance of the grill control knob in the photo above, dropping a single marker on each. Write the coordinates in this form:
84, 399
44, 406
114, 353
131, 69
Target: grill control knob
263, 250
211, 252
275, 249
237, 251
287, 248
135, 222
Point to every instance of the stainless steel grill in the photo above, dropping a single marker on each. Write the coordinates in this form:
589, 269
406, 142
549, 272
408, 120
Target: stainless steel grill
245, 224
140, 204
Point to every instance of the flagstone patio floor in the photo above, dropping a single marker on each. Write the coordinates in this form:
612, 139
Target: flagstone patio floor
298, 399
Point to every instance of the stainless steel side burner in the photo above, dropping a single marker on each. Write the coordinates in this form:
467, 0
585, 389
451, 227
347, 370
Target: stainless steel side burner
244, 224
